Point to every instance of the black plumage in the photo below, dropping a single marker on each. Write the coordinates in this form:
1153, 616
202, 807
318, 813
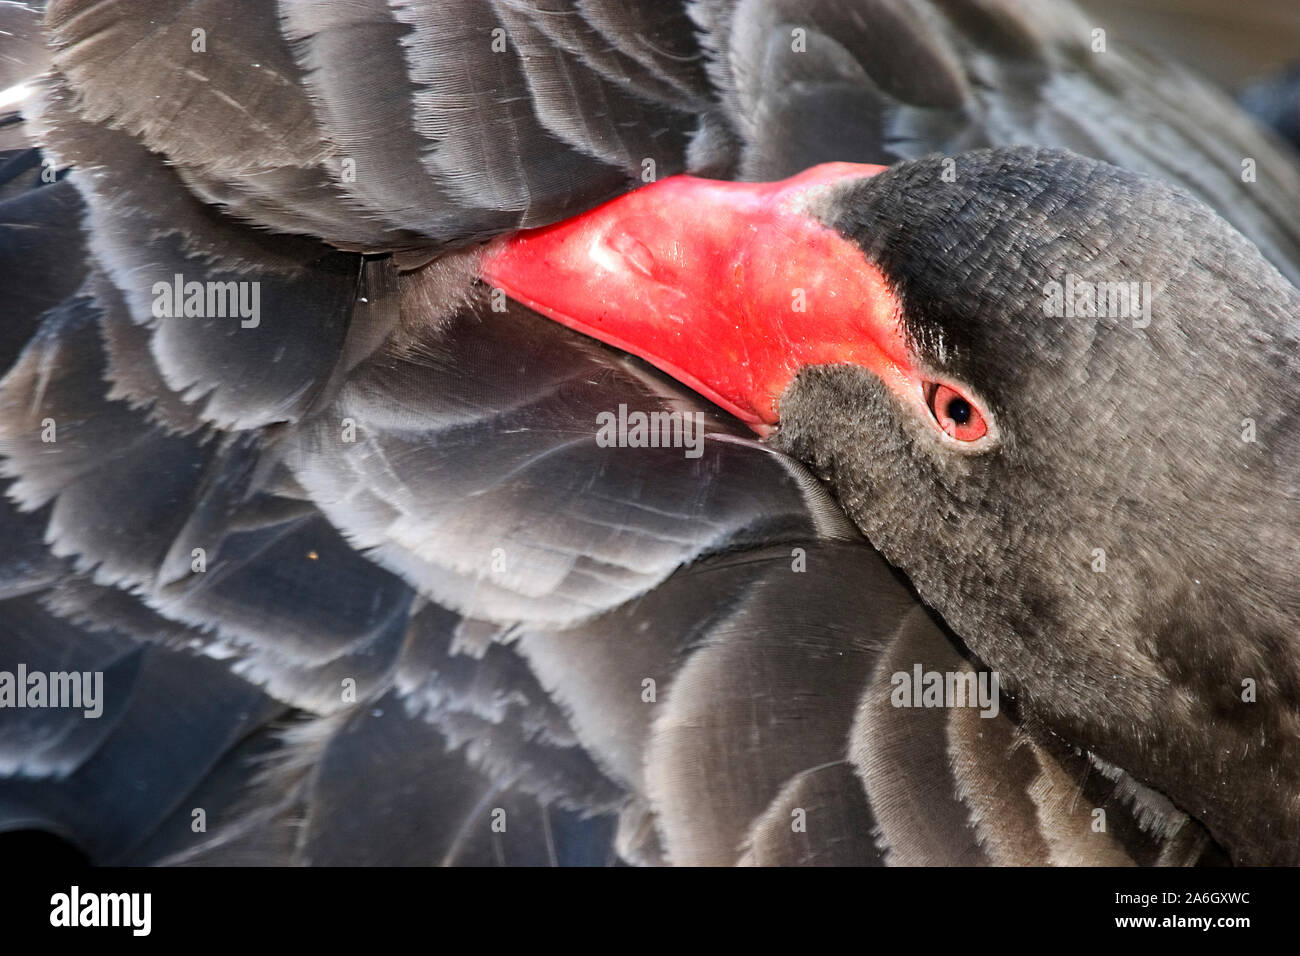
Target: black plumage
395, 483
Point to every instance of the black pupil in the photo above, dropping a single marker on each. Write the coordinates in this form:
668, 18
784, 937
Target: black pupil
959, 410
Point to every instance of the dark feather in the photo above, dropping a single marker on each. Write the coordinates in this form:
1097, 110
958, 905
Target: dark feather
412, 537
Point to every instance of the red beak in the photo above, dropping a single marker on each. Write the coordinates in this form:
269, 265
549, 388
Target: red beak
730, 288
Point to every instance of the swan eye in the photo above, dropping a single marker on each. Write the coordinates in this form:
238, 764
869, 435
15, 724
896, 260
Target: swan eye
956, 414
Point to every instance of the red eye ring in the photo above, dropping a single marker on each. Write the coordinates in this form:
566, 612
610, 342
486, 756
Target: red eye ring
956, 414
